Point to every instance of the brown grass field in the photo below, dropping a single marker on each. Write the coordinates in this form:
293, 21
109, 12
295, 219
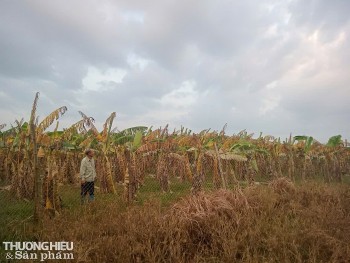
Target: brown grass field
278, 221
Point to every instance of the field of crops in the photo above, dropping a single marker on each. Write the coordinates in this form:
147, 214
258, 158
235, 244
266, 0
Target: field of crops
176, 196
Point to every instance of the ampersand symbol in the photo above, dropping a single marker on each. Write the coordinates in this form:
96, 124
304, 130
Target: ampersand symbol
9, 255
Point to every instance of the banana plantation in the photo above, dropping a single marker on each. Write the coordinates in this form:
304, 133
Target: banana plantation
35, 162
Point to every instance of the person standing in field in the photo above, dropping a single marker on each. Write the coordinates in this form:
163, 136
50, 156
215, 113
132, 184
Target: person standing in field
87, 175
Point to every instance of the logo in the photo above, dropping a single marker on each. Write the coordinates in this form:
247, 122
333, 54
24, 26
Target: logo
38, 250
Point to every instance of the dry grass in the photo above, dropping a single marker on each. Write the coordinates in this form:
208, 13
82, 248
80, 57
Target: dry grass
278, 223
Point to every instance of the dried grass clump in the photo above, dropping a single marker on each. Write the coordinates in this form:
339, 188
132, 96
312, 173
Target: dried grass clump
282, 185
222, 202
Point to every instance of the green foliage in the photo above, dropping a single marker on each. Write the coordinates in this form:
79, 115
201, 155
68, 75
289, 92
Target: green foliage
308, 141
133, 130
122, 139
137, 139
334, 141
247, 148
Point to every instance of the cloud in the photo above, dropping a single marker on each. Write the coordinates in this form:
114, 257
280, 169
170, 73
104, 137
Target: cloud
182, 97
270, 100
96, 80
270, 66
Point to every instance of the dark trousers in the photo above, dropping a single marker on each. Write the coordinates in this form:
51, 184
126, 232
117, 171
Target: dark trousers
85, 188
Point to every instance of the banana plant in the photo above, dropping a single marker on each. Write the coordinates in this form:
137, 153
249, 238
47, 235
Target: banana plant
128, 135
334, 141
306, 140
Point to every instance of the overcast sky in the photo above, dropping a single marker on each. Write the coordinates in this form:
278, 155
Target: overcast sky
268, 66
